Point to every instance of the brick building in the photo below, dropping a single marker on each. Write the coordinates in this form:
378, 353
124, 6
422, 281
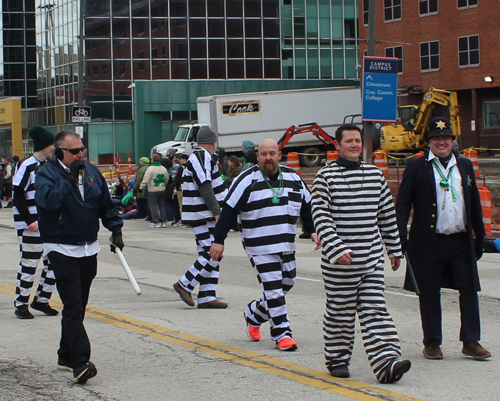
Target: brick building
447, 44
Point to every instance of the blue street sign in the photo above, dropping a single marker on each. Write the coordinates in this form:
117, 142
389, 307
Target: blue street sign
380, 88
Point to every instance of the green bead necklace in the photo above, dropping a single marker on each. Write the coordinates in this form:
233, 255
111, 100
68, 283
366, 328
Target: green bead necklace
276, 193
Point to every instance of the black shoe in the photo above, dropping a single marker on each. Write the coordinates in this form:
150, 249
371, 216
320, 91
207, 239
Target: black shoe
8, 206
341, 371
64, 365
84, 372
398, 369
22, 312
305, 235
44, 307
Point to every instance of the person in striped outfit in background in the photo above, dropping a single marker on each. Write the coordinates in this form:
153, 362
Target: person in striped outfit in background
269, 199
203, 193
353, 214
26, 224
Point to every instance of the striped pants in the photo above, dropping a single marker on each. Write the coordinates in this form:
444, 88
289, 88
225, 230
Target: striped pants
205, 271
362, 293
31, 247
276, 274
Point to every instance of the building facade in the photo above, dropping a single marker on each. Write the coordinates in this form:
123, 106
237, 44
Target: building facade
125, 41
447, 44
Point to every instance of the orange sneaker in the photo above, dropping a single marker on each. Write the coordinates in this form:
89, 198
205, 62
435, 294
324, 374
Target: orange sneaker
253, 332
286, 344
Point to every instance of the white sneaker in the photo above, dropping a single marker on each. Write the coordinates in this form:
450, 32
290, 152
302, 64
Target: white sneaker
157, 225
163, 225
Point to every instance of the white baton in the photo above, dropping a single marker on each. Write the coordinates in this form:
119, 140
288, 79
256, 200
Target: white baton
126, 267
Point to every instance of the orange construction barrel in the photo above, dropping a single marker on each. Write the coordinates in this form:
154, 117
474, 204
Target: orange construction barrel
471, 154
293, 161
382, 162
331, 156
485, 195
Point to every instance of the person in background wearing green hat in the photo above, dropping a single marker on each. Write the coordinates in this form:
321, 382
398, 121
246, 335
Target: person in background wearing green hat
26, 224
142, 197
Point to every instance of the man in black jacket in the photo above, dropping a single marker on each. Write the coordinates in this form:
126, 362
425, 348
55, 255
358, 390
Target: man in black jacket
72, 196
442, 189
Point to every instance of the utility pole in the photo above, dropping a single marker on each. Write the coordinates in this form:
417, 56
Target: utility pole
368, 126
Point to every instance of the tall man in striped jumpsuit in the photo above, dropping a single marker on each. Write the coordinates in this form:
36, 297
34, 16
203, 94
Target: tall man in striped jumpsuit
203, 193
26, 224
269, 199
353, 213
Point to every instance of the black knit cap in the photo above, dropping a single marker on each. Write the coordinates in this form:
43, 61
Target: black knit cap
440, 127
41, 138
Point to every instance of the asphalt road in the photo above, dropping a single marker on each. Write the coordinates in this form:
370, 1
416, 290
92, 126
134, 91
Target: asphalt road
154, 347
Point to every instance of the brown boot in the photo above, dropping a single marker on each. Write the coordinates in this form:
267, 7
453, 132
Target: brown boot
432, 352
185, 295
475, 350
213, 305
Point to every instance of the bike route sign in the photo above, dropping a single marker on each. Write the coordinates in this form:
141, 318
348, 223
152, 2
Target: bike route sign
380, 88
81, 114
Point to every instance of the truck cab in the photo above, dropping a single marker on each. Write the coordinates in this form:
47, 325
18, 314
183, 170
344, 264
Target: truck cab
184, 141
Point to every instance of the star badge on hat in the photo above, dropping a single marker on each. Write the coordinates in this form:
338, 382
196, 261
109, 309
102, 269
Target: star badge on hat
441, 124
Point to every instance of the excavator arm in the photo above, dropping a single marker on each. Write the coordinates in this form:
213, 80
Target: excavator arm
312, 128
410, 135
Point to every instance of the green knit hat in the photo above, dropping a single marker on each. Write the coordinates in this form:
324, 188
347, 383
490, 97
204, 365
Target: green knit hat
144, 159
41, 138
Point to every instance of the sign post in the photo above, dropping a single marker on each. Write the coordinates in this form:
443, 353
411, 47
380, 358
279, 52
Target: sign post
380, 88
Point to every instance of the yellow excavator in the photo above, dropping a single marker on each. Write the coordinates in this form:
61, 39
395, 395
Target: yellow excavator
408, 133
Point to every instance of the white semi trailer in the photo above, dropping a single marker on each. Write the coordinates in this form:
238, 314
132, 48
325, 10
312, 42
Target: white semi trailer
260, 115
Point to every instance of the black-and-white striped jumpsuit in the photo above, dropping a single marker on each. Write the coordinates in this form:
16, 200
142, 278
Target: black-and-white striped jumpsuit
353, 211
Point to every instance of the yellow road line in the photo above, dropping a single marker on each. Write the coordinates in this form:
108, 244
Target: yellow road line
301, 374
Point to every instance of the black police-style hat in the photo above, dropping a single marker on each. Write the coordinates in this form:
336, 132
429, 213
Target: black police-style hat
439, 127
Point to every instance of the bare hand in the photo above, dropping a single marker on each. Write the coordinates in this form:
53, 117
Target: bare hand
316, 240
33, 227
216, 251
345, 259
217, 218
395, 263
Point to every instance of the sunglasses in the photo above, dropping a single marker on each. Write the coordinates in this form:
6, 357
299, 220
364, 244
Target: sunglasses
74, 151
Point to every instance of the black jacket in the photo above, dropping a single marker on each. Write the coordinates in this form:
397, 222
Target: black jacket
418, 189
66, 218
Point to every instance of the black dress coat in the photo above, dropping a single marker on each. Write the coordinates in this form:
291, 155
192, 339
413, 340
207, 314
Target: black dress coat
418, 189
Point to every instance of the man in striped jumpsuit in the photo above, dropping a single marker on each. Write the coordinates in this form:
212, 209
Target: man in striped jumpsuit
269, 198
25, 222
203, 193
353, 213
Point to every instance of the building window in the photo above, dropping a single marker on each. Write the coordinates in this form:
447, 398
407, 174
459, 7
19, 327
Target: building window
141, 27
366, 9
396, 52
467, 3
105, 69
123, 65
429, 56
164, 54
492, 114
428, 6
154, 56
392, 10
141, 62
468, 51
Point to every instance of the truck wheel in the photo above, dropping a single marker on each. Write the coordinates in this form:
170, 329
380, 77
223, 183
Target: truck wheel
311, 158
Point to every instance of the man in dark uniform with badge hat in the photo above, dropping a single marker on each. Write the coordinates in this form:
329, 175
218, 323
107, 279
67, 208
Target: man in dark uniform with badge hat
441, 249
